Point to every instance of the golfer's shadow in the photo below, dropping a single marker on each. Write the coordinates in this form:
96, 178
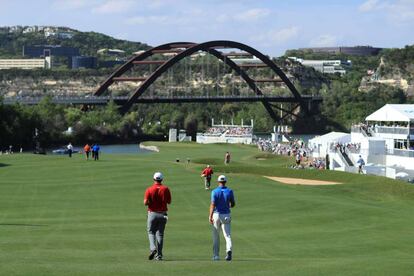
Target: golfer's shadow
23, 224
3, 165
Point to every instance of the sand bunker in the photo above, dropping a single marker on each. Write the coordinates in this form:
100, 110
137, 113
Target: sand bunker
301, 181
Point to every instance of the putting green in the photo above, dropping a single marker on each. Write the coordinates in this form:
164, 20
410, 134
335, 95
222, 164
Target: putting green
61, 216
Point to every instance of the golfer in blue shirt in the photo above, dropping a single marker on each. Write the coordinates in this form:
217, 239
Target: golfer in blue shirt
96, 149
222, 199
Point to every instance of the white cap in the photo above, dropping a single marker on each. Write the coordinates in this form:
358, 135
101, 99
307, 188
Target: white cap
222, 178
158, 176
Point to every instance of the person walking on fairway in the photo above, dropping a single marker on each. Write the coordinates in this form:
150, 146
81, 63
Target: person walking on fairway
227, 158
157, 197
222, 199
95, 150
87, 150
360, 163
70, 149
206, 173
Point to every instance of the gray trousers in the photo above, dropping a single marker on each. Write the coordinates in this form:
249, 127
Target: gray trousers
156, 225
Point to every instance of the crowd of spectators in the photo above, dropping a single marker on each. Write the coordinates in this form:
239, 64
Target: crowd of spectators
317, 163
282, 148
351, 147
229, 131
296, 148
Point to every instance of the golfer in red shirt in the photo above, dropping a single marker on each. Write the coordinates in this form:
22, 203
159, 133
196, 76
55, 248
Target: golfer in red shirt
206, 173
156, 198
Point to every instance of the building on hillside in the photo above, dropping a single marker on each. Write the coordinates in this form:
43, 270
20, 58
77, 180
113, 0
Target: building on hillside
15, 29
110, 63
22, 63
385, 142
84, 62
30, 29
54, 50
232, 134
325, 66
51, 51
355, 51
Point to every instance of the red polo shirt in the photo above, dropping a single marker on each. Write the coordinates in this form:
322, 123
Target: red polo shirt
207, 172
158, 196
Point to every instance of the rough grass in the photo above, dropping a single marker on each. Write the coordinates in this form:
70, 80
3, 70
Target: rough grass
61, 216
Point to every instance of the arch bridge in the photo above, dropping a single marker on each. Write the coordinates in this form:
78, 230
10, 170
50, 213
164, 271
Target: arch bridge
165, 56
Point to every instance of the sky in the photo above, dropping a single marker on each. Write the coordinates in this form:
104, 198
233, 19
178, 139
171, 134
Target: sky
271, 26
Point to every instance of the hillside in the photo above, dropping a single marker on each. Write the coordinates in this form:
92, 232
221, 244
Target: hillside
348, 99
205, 76
396, 68
392, 67
12, 42
371, 82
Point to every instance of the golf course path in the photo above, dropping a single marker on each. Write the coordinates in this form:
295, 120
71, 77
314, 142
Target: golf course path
301, 181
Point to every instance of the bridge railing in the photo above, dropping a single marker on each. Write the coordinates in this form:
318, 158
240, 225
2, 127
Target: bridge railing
103, 99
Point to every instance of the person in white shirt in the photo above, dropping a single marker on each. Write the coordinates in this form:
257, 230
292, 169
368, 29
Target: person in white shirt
70, 149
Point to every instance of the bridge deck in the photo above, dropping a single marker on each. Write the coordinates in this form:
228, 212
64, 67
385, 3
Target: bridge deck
103, 100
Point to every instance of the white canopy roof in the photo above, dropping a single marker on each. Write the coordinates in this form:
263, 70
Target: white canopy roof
393, 113
331, 137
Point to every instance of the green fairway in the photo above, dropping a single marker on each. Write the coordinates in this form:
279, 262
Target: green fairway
61, 216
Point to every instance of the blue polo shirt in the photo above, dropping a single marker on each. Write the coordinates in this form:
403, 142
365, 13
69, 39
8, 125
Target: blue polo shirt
221, 197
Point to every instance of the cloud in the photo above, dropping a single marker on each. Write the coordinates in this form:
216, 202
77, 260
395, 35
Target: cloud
277, 36
284, 35
396, 10
252, 15
71, 4
324, 40
368, 6
142, 20
115, 6
400, 11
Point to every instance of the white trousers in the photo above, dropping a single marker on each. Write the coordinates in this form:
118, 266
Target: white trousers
221, 221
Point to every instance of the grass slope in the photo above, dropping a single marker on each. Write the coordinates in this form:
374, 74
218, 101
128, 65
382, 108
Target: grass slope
61, 216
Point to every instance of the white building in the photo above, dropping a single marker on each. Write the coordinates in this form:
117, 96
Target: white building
30, 29
385, 142
22, 63
325, 66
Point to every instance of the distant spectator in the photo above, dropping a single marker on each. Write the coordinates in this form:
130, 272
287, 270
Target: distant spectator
93, 151
360, 163
70, 149
227, 158
298, 159
96, 149
327, 161
207, 173
87, 150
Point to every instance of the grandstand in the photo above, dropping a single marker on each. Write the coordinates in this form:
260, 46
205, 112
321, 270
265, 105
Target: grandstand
232, 134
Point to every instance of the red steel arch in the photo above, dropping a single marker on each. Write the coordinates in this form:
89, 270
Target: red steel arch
191, 48
130, 63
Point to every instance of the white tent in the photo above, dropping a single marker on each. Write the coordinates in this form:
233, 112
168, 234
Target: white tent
331, 137
321, 144
393, 113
